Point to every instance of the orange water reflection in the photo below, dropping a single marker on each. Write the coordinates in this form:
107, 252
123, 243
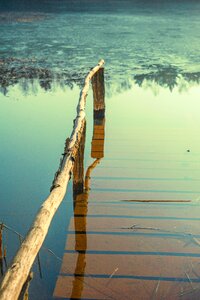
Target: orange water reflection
120, 249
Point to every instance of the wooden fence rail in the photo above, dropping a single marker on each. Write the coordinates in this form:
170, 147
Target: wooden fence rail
17, 274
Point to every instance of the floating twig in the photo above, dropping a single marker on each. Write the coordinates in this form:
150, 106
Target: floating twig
193, 270
156, 290
135, 226
111, 275
188, 277
197, 242
189, 292
115, 270
12, 230
50, 251
159, 201
21, 239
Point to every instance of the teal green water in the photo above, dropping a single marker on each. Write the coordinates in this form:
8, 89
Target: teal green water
33, 129
152, 151
136, 38
152, 145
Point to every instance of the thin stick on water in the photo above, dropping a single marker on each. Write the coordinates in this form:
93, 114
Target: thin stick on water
156, 290
159, 201
111, 275
188, 277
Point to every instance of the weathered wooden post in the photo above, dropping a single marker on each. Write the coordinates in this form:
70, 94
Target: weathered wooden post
99, 93
97, 150
81, 187
80, 206
78, 171
81, 195
19, 270
80, 226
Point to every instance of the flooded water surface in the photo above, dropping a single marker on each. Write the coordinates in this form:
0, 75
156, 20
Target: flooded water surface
128, 227
135, 233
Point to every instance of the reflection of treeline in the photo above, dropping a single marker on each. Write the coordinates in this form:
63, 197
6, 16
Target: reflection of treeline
25, 71
167, 76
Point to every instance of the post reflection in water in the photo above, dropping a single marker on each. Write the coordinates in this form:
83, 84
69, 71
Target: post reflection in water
80, 204
81, 190
76, 248
80, 222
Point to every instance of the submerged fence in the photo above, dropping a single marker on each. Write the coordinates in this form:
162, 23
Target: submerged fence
19, 271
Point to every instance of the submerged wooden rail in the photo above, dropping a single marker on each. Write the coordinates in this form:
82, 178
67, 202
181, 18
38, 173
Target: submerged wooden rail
19, 270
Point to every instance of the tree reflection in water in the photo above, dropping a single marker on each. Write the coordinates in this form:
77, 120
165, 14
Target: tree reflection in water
27, 72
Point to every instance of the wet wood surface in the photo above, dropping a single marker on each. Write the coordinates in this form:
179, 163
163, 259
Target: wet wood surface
19, 270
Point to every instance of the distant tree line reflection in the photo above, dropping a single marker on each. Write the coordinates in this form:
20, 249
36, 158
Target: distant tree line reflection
30, 72
167, 76
25, 71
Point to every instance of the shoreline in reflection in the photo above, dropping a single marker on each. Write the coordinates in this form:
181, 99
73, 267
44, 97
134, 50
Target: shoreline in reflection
29, 78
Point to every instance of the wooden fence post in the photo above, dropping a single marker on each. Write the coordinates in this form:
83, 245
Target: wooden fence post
98, 94
78, 171
19, 270
81, 187
97, 150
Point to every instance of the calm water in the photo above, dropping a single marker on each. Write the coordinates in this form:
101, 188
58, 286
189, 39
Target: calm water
151, 146
134, 37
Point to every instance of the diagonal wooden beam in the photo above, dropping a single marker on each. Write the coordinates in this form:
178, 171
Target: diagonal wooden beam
19, 270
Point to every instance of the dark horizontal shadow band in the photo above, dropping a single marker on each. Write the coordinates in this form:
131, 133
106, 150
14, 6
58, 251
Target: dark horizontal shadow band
156, 278
145, 178
156, 201
178, 203
160, 234
151, 160
139, 217
144, 191
146, 168
142, 253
